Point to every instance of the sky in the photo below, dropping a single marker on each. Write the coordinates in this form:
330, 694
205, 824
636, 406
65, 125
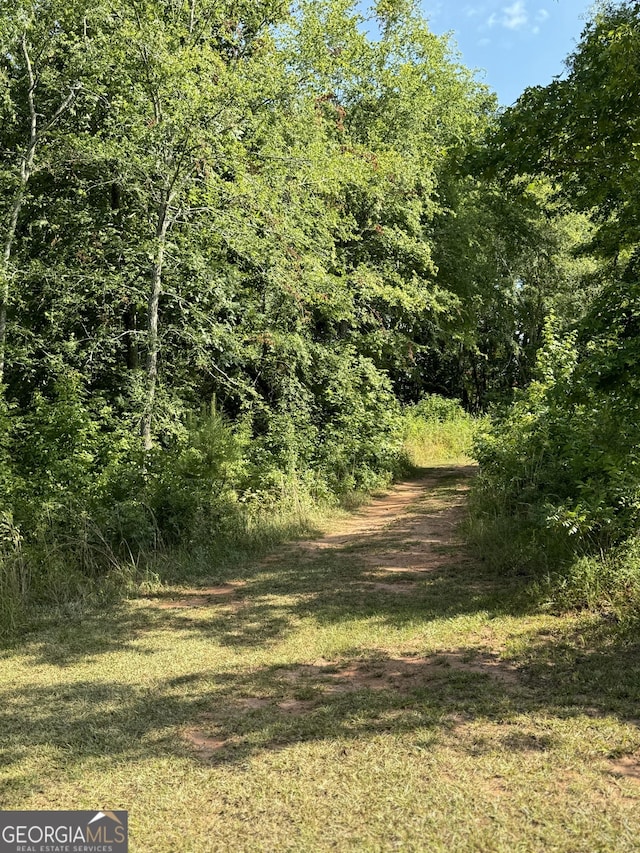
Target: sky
513, 43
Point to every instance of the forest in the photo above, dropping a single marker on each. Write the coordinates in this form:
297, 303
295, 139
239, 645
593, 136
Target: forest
247, 246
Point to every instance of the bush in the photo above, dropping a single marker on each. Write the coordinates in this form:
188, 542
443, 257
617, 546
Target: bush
87, 513
560, 471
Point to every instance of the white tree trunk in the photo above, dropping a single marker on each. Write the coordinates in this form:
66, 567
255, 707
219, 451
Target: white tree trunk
153, 340
26, 170
26, 167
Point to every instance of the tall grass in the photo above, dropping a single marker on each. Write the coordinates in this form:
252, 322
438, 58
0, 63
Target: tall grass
252, 526
438, 430
13, 577
53, 575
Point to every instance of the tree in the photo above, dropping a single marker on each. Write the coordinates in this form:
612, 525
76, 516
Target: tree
186, 70
400, 106
507, 252
42, 69
567, 452
582, 131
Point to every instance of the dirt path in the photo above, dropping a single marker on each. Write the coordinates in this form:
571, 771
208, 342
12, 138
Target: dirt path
375, 689
414, 504
386, 550
409, 530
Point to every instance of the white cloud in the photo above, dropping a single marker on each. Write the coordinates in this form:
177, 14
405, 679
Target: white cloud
515, 16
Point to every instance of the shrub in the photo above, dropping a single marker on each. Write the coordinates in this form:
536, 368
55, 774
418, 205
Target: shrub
560, 470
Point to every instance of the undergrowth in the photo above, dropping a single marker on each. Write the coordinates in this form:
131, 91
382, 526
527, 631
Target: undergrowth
217, 499
557, 500
438, 430
556, 575
48, 579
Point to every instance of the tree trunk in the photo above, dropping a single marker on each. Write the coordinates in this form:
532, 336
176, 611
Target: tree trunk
26, 167
153, 341
4, 271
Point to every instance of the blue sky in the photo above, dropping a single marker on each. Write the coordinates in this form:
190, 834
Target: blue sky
516, 43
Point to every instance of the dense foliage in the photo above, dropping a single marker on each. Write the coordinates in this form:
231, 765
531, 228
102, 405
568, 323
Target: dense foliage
563, 463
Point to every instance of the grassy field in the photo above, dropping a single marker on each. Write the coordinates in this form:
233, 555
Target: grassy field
375, 690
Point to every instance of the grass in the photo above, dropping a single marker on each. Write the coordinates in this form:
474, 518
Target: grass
439, 430
307, 709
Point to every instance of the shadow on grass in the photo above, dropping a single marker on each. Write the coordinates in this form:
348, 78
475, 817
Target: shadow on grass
216, 717
409, 572
225, 716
